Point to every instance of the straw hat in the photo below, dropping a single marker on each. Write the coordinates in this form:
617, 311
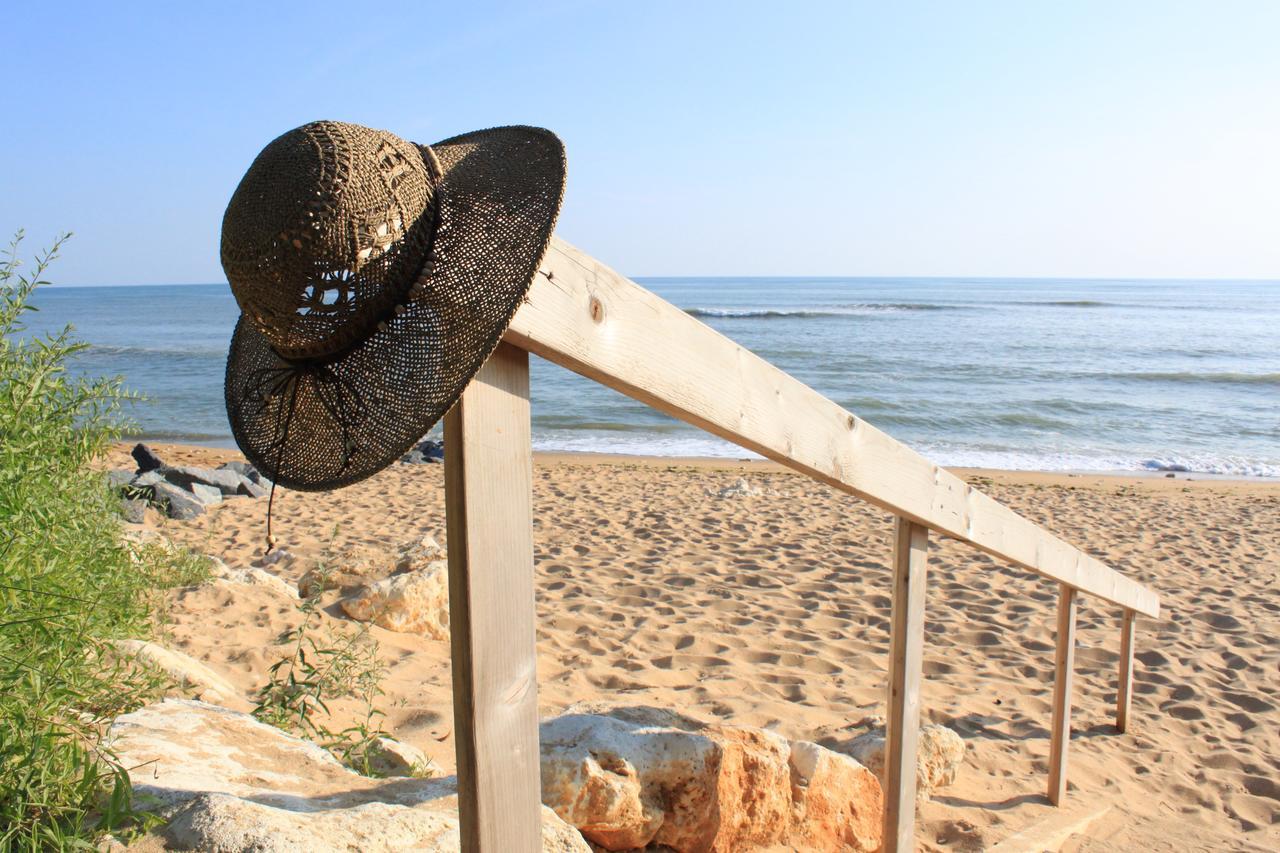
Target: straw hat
374, 278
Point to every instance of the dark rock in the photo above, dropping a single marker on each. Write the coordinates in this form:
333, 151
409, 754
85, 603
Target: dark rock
207, 495
225, 480
251, 489
178, 503
146, 458
119, 478
424, 451
244, 469
134, 510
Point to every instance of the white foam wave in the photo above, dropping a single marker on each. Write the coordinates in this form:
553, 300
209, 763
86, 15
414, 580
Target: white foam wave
949, 456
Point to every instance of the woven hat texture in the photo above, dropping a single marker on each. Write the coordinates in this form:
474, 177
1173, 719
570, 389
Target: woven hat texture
374, 278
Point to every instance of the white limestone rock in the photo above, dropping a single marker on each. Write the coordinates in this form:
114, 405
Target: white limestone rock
251, 576
230, 784
938, 757
187, 672
413, 602
631, 777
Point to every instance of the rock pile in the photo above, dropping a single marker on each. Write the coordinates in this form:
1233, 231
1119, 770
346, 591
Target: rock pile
181, 492
425, 451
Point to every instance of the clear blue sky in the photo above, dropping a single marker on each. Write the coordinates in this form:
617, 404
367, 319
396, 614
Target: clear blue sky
704, 138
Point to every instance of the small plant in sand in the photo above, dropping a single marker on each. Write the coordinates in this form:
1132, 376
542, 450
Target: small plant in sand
326, 664
69, 585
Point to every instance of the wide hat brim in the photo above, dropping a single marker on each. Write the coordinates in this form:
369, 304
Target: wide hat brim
322, 424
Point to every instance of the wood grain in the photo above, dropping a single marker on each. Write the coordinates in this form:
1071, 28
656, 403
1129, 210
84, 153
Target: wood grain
1063, 665
488, 498
906, 651
1124, 687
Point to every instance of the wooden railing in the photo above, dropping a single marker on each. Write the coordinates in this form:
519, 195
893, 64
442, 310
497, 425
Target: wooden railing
584, 316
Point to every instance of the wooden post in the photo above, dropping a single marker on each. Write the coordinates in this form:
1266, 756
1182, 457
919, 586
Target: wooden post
906, 646
1124, 690
488, 499
1064, 661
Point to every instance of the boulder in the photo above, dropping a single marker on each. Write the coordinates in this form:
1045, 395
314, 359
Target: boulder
119, 478
413, 602
250, 488
352, 568
938, 757
145, 457
207, 495
390, 757
147, 479
178, 503
631, 777
225, 480
251, 577
186, 672
241, 467
134, 510
228, 783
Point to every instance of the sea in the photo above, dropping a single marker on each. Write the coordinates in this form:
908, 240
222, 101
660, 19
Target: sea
1019, 374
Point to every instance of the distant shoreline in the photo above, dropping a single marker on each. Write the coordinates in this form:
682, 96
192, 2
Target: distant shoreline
721, 463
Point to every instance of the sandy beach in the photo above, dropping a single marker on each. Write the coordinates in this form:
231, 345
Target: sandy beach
660, 582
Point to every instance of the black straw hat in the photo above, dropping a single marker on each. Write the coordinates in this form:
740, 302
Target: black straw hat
374, 278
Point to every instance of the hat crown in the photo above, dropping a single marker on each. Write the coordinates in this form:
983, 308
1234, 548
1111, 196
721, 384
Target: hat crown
326, 233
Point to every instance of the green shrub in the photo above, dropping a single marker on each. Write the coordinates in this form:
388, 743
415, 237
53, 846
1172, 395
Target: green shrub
69, 584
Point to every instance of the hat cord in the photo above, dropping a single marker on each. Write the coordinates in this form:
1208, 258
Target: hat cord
284, 442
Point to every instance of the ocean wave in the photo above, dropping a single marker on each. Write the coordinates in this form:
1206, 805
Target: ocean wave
1066, 303
1230, 466
177, 350
693, 444
853, 310
1200, 378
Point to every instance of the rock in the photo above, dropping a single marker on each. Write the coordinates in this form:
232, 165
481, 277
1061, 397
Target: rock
632, 777
355, 567
225, 480
145, 457
414, 602
251, 489
742, 488
178, 503
425, 451
396, 758
413, 556
348, 569
252, 577
147, 479
119, 478
207, 495
242, 468
231, 784
186, 672
938, 757
134, 510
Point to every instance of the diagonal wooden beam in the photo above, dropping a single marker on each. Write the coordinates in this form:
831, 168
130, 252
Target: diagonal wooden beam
595, 322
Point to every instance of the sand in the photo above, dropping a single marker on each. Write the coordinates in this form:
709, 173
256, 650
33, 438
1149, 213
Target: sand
771, 609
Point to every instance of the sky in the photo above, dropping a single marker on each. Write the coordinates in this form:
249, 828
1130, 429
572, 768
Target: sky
1022, 138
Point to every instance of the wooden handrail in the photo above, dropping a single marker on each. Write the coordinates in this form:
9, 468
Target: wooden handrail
582, 315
